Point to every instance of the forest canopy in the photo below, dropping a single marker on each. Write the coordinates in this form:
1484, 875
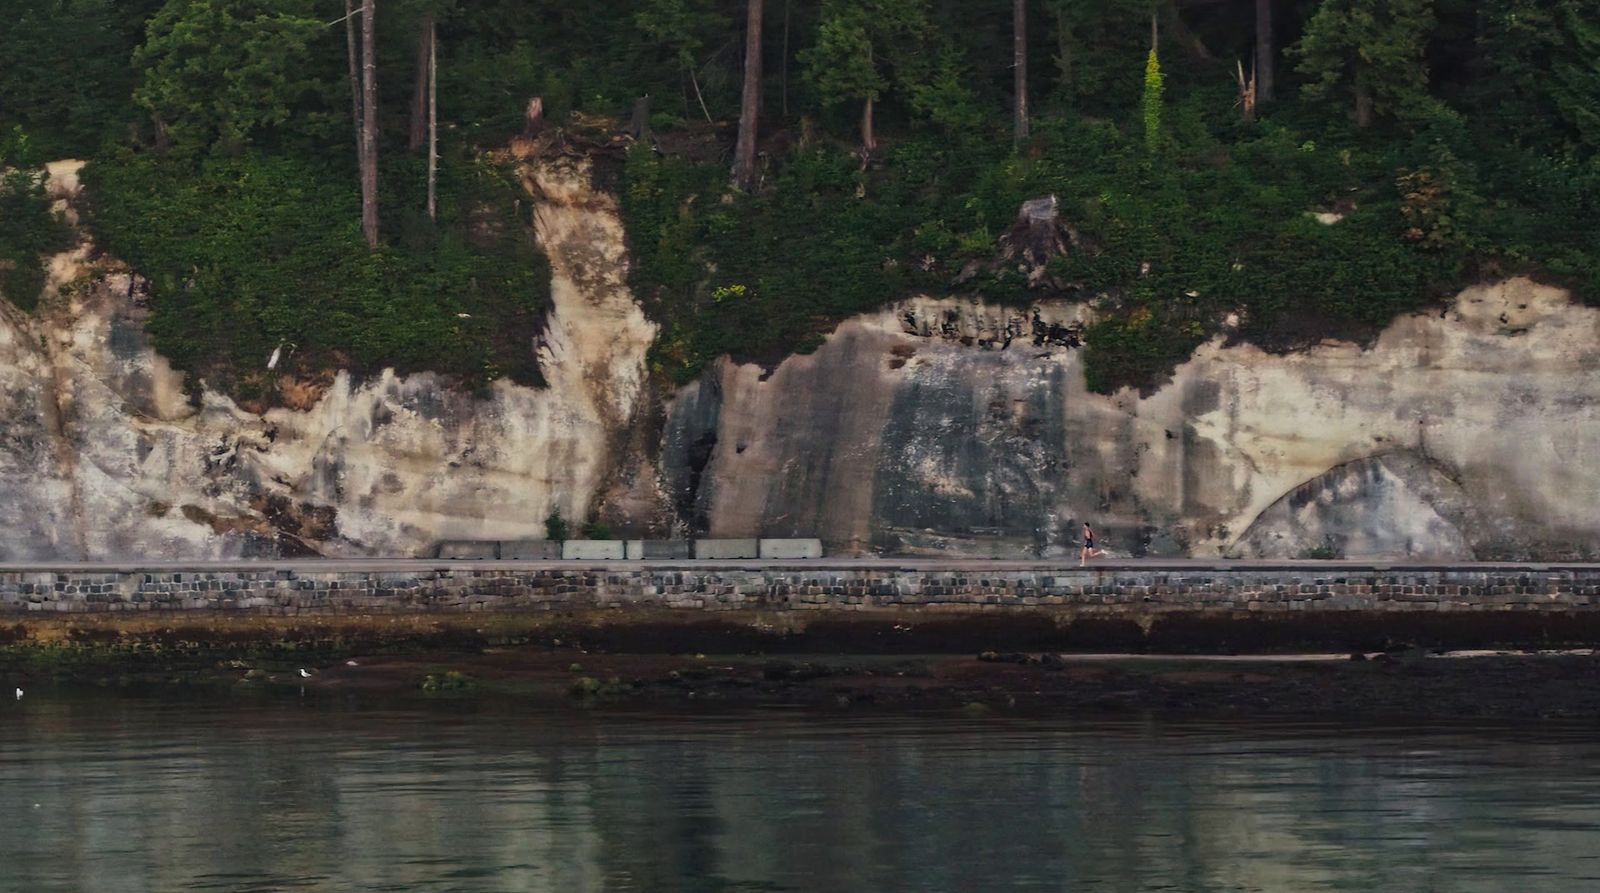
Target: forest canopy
1310, 168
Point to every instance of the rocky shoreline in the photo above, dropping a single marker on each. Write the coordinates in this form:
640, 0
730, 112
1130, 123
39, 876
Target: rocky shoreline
1332, 664
1390, 685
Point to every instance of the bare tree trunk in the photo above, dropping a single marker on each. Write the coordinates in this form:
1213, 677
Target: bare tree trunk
1019, 64
1247, 92
369, 125
1363, 105
744, 152
419, 91
1266, 56
695, 83
433, 120
355, 77
869, 143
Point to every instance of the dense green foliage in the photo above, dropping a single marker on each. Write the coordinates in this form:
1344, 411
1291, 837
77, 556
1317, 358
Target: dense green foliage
28, 228
248, 253
217, 72
1371, 52
1448, 138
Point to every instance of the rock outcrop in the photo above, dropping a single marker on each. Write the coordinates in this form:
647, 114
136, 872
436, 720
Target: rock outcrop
1457, 434
102, 453
935, 425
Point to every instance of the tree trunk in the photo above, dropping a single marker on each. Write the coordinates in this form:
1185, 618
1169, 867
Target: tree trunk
369, 125
695, 83
1266, 56
419, 91
1247, 92
869, 143
433, 121
639, 121
1363, 106
1019, 62
784, 76
355, 78
744, 153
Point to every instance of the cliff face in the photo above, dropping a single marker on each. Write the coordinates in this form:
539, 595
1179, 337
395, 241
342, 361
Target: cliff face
941, 425
932, 426
103, 454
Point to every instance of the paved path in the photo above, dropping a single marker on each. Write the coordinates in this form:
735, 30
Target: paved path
973, 565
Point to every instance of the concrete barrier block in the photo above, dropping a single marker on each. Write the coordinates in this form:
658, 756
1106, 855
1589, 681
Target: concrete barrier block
791, 548
529, 550
664, 549
593, 550
633, 549
469, 550
725, 549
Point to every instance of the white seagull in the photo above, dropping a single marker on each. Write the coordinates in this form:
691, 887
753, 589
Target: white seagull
19, 694
304, 673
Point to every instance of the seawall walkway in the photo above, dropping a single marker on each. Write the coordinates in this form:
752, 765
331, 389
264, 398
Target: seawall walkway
898, 605
849, 584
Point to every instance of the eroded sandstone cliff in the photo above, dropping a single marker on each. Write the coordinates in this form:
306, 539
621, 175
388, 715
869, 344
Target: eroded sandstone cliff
102, 453
935, 425
945, 425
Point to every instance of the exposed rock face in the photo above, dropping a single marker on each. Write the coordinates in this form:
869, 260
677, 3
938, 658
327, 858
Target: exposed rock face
103, 454
932, 426
1454, 435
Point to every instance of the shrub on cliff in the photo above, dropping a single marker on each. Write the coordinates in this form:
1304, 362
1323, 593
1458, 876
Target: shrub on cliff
29, 229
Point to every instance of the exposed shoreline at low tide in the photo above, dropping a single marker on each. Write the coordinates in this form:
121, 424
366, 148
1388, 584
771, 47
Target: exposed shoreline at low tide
1395, 685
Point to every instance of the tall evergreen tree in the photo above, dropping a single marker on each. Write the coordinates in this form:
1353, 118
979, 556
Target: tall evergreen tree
865, 47
844, 63
1539, 82
682, 28
1094, 39
1370, 54
219, 72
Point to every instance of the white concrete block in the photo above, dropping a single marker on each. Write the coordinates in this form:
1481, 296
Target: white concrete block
791, 548
726, 549
593, 550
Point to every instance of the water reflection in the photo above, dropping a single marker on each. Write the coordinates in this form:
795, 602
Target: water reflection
134, 795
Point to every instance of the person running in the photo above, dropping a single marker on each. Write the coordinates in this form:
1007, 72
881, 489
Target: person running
1089, 551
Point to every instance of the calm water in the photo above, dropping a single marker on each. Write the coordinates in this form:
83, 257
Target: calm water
136, 794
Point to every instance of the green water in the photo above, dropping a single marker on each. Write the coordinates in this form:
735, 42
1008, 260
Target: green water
140, 794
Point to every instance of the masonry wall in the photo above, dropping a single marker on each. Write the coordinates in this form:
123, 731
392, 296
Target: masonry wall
809, 588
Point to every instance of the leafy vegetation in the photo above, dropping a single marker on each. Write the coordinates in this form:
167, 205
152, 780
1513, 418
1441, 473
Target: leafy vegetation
556, 528
248, 254
28, 228
1412, 146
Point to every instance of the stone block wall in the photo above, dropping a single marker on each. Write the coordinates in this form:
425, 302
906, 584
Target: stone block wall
481, 587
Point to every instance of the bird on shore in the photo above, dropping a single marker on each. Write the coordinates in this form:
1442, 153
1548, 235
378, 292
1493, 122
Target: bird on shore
19, 694
304, 673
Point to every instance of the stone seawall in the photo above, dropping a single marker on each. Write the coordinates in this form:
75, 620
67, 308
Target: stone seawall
1129, 591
